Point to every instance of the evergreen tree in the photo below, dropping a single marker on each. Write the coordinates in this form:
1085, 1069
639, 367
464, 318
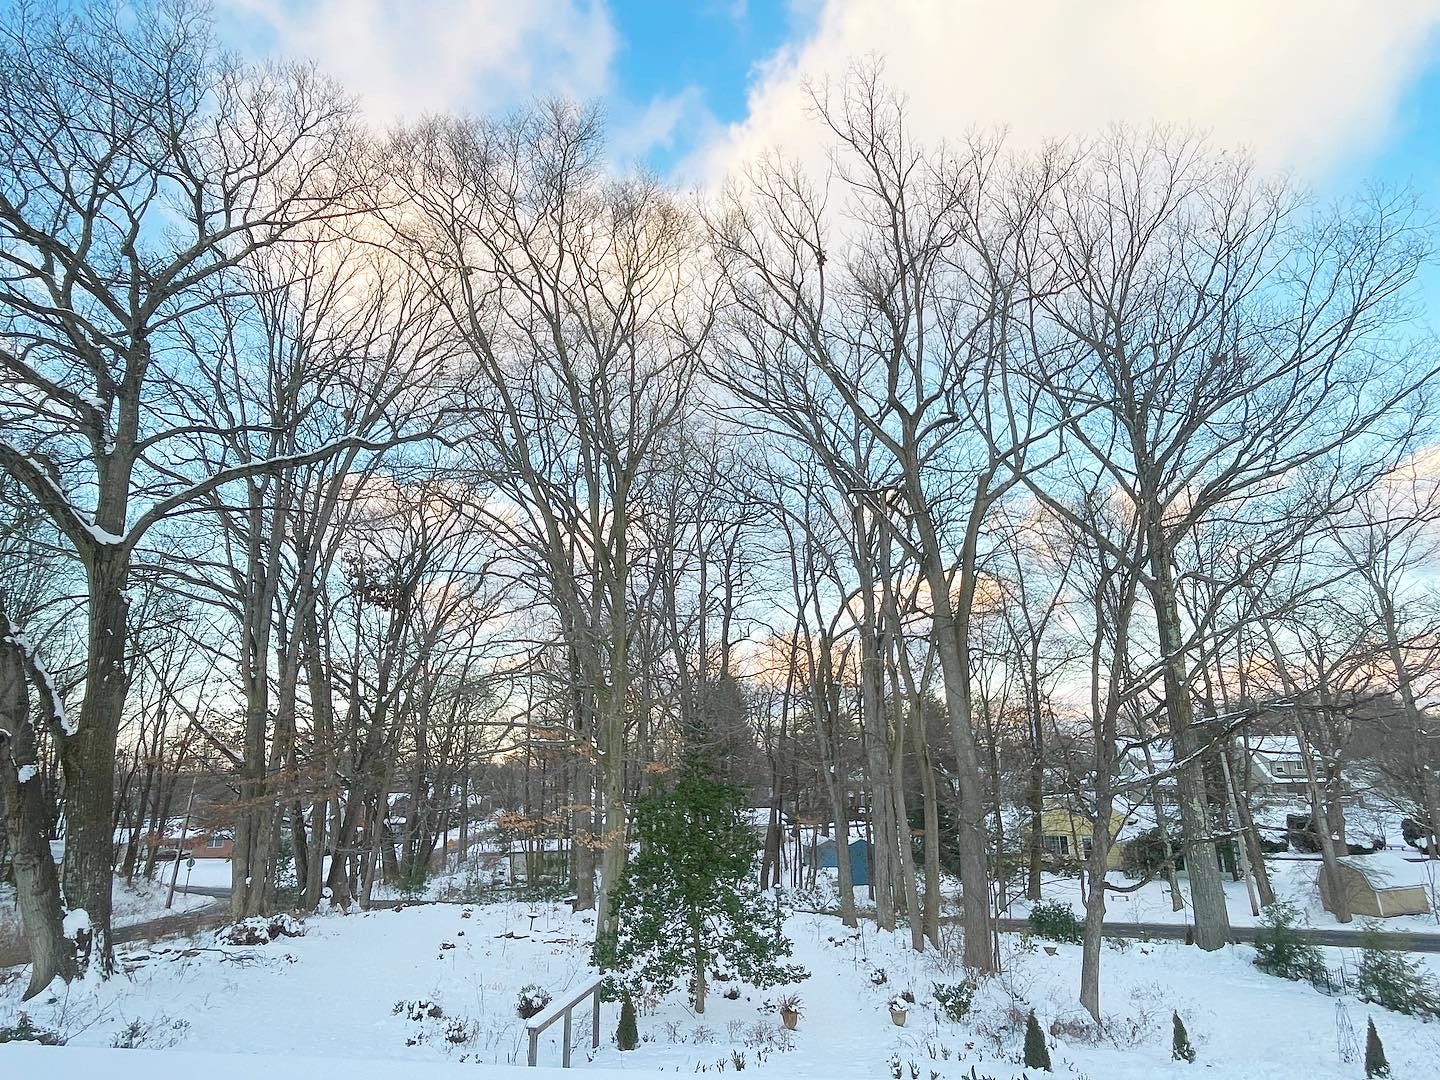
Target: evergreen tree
1180, 1048
627, 1035
1037, 1054
1375, 1063
689, 899
1392, 980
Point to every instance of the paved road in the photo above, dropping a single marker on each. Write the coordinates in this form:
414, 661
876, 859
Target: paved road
220, 892
183, 924
1350, 939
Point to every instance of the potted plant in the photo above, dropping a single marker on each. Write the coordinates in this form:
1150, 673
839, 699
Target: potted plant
790, 1010
899, 1009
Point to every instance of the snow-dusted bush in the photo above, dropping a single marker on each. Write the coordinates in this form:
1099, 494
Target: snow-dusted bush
260, 930
161, 1033
532, 1001
1393, 981
419, 1009
955, 999
1145, 856
1054, 921
458, 1031
24, 1030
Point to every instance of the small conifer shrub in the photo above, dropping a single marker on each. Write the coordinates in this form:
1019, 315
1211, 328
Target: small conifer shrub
1037, 1054
627, 1035
1375, 1063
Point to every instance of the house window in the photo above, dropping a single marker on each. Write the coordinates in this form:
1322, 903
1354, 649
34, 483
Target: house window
215, 842
1056, 843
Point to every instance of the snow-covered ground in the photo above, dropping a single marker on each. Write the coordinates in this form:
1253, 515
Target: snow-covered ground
333, 994
83, 1063
1294, 879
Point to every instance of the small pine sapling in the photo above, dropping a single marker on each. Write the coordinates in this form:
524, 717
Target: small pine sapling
1392, 980
1037, 1054
689, 900
1375, 1063
627, 1035
1180, 1048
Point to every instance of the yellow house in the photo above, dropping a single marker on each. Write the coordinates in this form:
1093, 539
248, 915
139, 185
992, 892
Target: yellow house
1067, 835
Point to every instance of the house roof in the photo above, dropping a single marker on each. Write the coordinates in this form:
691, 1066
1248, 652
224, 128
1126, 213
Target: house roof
1287, 746
1386, 871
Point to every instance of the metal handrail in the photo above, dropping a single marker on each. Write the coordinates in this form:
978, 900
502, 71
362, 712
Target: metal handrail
540, 1021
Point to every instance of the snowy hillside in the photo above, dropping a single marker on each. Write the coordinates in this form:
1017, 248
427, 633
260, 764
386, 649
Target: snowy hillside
344, 991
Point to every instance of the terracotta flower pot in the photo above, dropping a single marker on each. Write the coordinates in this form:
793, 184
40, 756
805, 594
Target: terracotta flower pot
789, 1017
897, 1017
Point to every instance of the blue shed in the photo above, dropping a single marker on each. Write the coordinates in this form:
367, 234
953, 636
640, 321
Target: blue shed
859, 858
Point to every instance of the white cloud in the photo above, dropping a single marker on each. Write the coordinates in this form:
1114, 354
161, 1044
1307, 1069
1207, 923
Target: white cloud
404, 59
1301, 82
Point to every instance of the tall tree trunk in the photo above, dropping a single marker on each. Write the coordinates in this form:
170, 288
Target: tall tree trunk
1202, 865
88, 758
1329, 854
1094, 932
37, 886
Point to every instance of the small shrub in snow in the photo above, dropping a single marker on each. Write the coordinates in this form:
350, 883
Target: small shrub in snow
1279, 949
532, 1001
1393, 981
1180, 1048
1037, 1054
878, 977
1375, 1063
627, 1035
260, 930
411, 885
1145, 856
159, 1034
24, 1030
702, 1035
955, 999
421, 1009
1054, 921
458, 1032
1079, 1029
